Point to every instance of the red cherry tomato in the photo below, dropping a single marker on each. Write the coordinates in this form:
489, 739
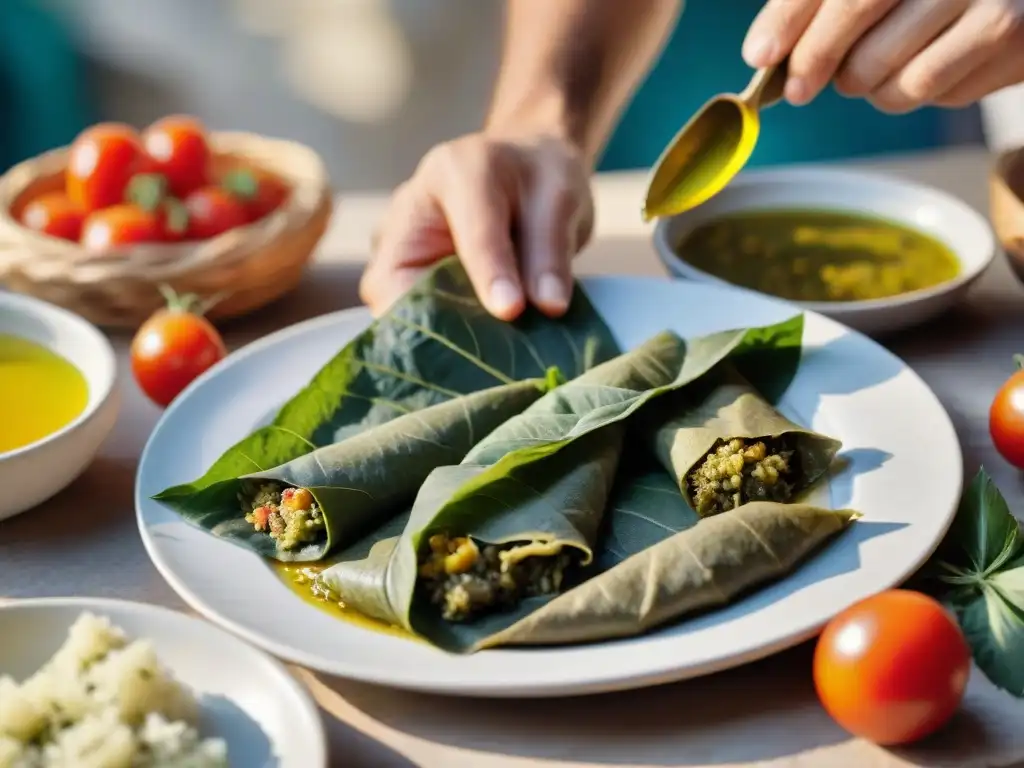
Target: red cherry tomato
101, 161
211, 211
120, 225
54, 214
172, 348
893, 668
260, 192
1006, 420
179, 150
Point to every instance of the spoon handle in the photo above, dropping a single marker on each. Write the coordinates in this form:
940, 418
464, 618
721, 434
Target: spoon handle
766, 86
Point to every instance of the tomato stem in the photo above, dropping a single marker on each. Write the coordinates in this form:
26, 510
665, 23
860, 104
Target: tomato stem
147, 190
241, 183
1018, 360
189, 302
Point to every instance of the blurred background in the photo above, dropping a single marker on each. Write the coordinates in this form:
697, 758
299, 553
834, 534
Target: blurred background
370, 84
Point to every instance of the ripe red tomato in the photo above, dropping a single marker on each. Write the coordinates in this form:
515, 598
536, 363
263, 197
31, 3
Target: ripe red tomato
893, 668
172, 348
120, 225
179, 150
54, 214
260, 192
1006, 420
101, 161
211, 211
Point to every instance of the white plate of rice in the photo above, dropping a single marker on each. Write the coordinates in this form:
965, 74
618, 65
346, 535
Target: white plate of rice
110, 684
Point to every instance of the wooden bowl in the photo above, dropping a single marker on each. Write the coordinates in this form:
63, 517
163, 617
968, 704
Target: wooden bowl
246, 268
1006, 206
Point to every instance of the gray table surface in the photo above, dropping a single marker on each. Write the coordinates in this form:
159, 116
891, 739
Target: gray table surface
85, 542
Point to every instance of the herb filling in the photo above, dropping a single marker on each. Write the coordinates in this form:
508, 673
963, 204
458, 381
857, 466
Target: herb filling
465, 580
737, 472
290, 515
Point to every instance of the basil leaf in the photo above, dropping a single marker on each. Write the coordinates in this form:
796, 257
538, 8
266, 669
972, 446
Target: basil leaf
984, 536
993, 623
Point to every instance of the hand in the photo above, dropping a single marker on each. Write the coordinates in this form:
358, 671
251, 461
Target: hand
515, 211
899, 54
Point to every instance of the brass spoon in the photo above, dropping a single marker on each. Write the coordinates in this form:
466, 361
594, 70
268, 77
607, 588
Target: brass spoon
712, 147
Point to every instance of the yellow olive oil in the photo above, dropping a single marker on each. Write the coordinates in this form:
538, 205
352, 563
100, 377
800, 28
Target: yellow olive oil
301, 580
40, 392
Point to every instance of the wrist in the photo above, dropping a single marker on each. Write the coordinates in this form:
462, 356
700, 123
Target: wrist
541, 112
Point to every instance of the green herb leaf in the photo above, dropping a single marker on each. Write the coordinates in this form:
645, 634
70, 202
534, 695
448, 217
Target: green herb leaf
984, 536
993, 623
980, 572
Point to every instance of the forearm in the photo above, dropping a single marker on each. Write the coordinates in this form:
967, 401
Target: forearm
569, 66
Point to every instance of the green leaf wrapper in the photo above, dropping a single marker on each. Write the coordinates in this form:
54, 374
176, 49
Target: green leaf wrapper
363, 481
436, 345
544, 477
722, 407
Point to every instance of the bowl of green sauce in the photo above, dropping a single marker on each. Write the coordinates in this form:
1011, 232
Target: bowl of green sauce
875, 252
58, 399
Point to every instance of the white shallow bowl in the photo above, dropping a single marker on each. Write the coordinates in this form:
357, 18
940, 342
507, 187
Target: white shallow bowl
926, 209
847, 386
246, 698
32, 474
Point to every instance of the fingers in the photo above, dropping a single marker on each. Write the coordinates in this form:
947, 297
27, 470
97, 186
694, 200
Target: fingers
459, 201
976, 38
776, 29
412, 236
817, 56
908, 29
556, 211
476, 189
1001, 72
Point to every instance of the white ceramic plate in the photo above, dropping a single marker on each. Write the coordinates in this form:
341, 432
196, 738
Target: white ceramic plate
905, 476
926, 209
248, 699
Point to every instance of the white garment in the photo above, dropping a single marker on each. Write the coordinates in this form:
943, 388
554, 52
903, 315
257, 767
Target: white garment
1002, 116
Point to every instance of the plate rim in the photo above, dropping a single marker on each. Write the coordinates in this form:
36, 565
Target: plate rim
598, 681
316, 738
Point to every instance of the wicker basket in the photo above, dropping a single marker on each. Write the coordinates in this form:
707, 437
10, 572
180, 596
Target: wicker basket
1006, 206
246, 267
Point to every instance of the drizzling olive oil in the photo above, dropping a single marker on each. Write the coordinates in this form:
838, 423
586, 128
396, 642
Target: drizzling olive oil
40, 392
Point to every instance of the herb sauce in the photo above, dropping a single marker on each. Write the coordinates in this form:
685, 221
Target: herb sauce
819, 255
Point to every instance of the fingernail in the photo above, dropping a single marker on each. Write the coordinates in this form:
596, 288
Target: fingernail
759, 50
504, 295
797, 92
551, 291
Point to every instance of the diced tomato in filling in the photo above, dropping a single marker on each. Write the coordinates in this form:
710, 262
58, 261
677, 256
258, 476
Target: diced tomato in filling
261, 516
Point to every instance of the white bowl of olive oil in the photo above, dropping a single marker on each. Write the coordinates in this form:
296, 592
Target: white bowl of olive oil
875, 252
58, 400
